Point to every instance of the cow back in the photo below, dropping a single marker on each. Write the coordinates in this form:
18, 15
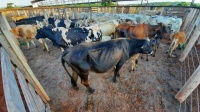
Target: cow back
78, 35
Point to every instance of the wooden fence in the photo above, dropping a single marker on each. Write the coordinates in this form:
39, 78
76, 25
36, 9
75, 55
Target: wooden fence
13, 98
189, 15
35, 96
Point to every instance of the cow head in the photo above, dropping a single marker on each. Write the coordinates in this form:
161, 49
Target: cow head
96, 34
44, 32
147, 47
67, 23
161, 28
40, 33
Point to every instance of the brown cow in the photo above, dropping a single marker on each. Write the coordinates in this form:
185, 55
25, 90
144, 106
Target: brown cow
140, 31
28, 32
178, 38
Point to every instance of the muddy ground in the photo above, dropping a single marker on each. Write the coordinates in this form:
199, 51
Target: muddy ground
150, 88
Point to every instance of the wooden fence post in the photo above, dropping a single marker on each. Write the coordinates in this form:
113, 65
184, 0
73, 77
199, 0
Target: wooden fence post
191, 27
189, 86
25, 13
45, 14
9, 28
190, 44
188, 18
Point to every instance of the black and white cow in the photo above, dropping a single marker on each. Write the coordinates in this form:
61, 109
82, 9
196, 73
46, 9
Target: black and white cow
64, 38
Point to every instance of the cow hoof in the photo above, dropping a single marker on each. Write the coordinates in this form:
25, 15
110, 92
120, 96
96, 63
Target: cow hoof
118, 75
131, 70
76, 88
147, 60
36, 46
44, 49
114, 80
48, 52
91, 90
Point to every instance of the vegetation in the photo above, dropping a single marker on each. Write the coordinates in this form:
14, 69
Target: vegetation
109, 3
10, 5
173, 4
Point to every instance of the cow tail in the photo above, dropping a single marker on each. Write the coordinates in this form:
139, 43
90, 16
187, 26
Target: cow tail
73, 82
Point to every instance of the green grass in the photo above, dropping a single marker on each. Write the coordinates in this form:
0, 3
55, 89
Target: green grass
21, 42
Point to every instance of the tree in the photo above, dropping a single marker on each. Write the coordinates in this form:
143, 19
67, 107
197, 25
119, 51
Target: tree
106, 3
183, 4
10, 5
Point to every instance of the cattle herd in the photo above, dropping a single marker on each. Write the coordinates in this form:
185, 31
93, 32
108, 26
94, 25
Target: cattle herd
106, 41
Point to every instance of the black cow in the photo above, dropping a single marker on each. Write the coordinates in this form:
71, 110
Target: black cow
29, 21
100, 57
63, 38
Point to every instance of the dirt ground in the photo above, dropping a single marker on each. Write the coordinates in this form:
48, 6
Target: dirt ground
150, 88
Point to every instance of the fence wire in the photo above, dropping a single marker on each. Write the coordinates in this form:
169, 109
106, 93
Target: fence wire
191, 104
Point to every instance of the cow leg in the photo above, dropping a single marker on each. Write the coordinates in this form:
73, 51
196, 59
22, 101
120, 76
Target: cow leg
27, 44
44, 45
134, 61
41, 41
142, 56
32, 41
154, 53
75, 76
84, 81
147, 59
172, 47
61, 49
116, 73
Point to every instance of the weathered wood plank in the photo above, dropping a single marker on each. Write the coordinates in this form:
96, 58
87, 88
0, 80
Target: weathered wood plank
11, 91
38, 101
27, 94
